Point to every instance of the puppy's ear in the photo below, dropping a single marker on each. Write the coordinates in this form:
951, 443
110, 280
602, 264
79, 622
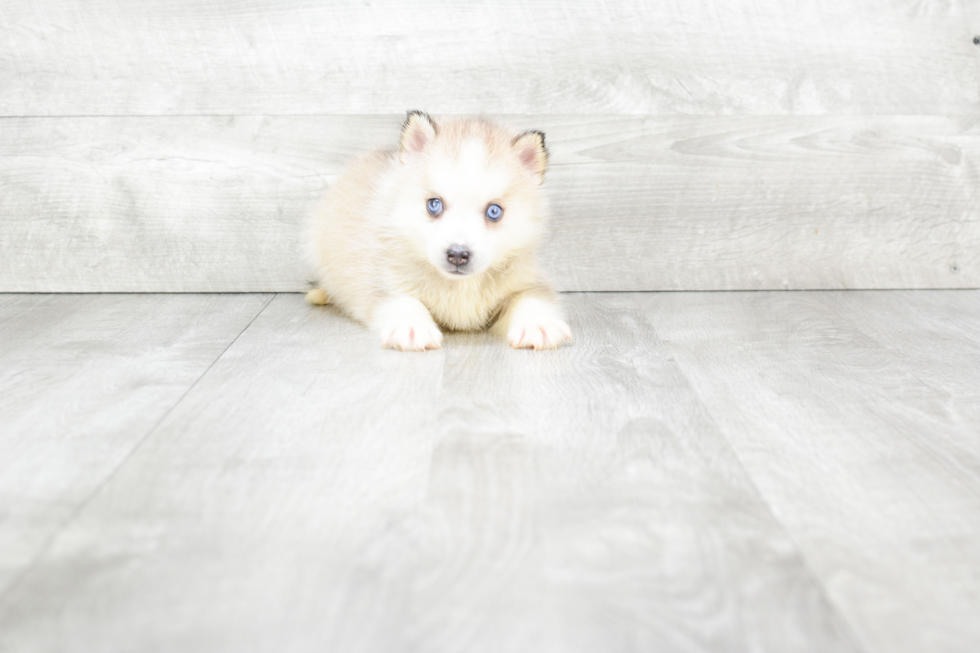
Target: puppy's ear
532, 153
417, 132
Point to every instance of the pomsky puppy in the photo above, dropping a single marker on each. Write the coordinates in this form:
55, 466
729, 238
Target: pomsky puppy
440, 232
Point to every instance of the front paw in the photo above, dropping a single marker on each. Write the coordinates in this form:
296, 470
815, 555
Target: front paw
548, 332
405, 324
407, 336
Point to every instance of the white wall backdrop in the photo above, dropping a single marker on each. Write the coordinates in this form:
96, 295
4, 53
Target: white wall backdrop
176, 145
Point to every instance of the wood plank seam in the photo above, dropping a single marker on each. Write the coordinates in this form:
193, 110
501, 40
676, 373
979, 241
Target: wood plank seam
11, 588
925, 443
840, 620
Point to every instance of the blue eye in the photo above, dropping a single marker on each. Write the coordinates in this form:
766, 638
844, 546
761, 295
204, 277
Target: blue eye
494, 212
434, 205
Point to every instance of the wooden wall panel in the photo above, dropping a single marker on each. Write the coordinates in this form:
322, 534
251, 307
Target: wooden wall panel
176, 204
744, 57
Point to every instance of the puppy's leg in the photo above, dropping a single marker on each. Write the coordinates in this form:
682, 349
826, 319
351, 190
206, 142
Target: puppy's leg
405, 323
533, 320
317, 296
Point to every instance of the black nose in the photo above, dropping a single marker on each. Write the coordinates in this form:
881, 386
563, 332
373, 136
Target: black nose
458, 255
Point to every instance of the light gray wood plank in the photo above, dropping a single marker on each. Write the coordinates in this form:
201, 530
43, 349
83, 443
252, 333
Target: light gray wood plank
936, 334
313, 492
873, 466
214, 204
83, 379
752, 57
767, 203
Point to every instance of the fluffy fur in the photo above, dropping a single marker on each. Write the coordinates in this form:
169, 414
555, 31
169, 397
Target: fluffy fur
384, 259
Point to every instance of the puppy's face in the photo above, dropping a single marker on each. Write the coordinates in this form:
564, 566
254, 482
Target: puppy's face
471, 199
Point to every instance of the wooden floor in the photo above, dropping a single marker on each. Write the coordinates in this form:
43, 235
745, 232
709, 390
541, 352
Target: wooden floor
773, 471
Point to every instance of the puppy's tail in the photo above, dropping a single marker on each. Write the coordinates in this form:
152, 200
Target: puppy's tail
317, 296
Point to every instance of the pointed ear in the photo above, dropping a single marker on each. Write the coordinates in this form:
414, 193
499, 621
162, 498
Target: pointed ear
417, 132
532, 153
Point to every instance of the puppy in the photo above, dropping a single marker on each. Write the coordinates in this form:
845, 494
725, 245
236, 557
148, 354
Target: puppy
440, 232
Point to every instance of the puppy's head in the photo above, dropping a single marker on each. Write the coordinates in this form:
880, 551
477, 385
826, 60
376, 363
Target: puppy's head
469, 196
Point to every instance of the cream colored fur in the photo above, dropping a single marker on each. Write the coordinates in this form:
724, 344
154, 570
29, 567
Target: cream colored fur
380, 256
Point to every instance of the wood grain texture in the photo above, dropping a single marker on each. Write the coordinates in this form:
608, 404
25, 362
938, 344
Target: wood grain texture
683, 203
865, 450
936, 334
82, 380
749, 57
313, 492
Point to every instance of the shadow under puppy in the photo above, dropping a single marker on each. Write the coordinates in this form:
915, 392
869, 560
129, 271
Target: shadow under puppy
441, 232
